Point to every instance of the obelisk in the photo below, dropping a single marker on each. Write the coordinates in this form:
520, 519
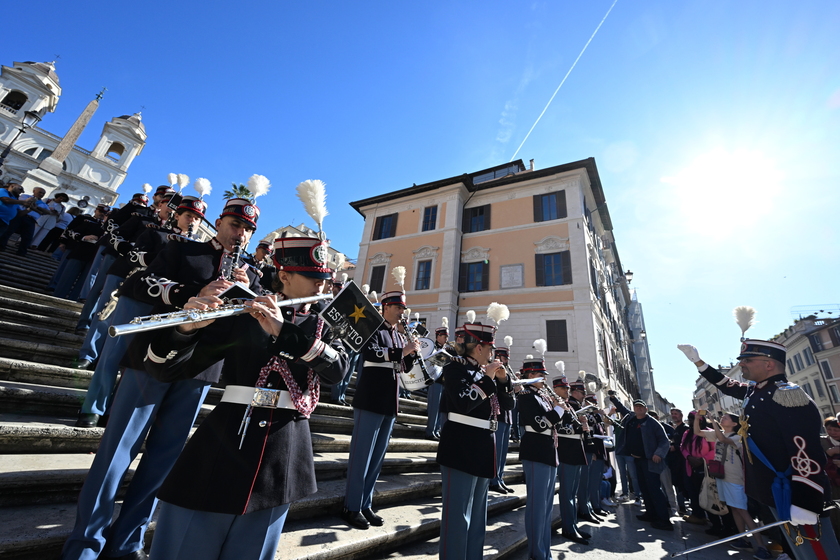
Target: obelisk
46, 174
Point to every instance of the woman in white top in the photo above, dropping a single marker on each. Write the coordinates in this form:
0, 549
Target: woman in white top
48, 221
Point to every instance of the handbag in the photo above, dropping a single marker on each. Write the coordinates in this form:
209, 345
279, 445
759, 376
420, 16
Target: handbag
709, 499
715, 469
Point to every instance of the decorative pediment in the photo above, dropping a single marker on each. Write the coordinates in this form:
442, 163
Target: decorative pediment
475, 254
426, 252
380, 258
552, 244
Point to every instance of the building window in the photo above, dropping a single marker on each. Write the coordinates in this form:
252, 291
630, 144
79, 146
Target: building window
550, 206
556, 336
790, 366
835, 394
14, 100
816, 342
423, 281
377, 278
475, 277
807, 388
809, 356
827, 370
797, 359
385, 227
115, 151
554, 269
429, 218
819, 387
476, 219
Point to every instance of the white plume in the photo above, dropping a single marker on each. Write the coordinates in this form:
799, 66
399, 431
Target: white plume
417, 316
470, 316
581, 375
444, 322
202, 187
561, 366
498, 312
365, 288
173, 179
258, 185
509, 341
398, 272
540, 345
407, 313
529, 356
314, 198
745, 317
147, 188
373, 296
183, 181
340, 259
343, 277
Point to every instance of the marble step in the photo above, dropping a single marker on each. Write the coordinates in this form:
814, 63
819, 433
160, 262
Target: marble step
409, 502
8, 314
40, 334
34, 274
49, 301
37, 373
35, 261
41, 352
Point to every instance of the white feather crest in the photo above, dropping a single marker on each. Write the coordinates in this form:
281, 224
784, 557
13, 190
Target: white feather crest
529, 356
183, 181
258, 185
509, 341
561, 366
398, 272
470, 316
581, 375
373, 296
498, 312
745, 317
314, 197
202, 187
540, 345
340, 259
173, 179
416, 316
147, 188
444, 322
366, 289
407, 313
343, 277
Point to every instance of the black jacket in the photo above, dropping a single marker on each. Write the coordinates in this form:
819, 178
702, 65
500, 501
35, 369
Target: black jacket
539, 415
377, 388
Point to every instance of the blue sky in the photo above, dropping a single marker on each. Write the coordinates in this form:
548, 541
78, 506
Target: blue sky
715, 125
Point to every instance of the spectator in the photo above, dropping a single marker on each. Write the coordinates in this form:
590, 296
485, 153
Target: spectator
626, 465
85, 230
831, 446
696, 449
47, 222
52, 240
10, 203
675, 460
24, 222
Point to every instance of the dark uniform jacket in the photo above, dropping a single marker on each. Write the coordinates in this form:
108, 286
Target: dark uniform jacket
540, 416
79, 228
593, 445
467, 391
275, 464
377, 389
120, 219
141, 250
570, 436
784, 423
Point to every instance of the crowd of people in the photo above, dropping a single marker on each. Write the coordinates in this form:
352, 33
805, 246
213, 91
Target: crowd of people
226, 492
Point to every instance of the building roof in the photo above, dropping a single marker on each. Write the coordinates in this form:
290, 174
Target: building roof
134, 119
45, 68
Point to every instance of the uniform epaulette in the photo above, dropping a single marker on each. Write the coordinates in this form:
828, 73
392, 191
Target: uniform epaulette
152, 225
790, 395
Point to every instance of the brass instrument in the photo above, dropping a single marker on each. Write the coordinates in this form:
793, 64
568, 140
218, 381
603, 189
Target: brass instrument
185, 316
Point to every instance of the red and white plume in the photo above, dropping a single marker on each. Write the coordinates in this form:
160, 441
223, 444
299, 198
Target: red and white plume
313, 194
258, 185
202, 187
147, 188
745, 317
398, 272
498, 312
183, 181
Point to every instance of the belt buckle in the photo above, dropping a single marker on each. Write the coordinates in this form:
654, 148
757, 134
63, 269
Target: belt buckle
266, 398
494, 424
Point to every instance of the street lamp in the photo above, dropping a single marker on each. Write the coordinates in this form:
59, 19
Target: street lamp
629, 276
30, 119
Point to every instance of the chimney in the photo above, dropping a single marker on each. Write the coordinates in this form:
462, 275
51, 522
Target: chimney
531, 168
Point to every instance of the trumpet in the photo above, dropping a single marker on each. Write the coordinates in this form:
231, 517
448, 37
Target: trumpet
185, 316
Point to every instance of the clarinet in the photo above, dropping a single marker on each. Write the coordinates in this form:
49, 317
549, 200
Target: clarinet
229, 269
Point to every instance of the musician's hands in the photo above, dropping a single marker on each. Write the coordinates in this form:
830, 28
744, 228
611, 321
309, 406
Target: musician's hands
215, 288
240, 275
202, 304
410, 347
267, 313
496, 369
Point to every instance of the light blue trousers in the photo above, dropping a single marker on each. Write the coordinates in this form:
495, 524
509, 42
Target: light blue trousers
539, 480
463, 520
371, 433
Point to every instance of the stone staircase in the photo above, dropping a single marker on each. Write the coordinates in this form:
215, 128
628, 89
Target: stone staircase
44, 459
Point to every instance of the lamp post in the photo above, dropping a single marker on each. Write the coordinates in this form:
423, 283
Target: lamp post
30, 119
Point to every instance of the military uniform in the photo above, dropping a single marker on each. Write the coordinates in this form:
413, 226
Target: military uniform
572, 458
79, 257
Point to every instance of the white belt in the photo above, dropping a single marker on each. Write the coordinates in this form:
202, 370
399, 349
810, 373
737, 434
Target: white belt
255, 396
570, 436
533, 431
389, 365
491, 425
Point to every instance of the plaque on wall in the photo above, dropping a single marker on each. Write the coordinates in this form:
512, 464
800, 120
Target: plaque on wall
513, 276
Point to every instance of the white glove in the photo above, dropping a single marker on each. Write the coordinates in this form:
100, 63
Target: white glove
690, 352
799, 516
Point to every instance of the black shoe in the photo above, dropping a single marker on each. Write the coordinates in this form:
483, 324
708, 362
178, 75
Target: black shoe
646, 517
83, 364
588, 518
103, 421
506, 488
584, 534
574, 538
600, 513
87, 420
372, 518
432, 437
498, 489
662, 525
355, 519
136, 555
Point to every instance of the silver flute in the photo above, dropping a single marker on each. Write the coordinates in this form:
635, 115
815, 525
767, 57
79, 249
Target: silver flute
163, 320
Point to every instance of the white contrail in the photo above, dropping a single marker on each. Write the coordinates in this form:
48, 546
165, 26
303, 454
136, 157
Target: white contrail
564, 80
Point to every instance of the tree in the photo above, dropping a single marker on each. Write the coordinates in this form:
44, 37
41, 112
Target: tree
238, 191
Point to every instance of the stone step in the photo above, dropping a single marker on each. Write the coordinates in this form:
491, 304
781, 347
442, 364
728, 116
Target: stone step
40, 352
49, 301
34, 275
10, 315
36, 373
57, 338
34, 260
409, 502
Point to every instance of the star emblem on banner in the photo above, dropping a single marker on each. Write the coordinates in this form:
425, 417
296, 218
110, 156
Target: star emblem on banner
359, 313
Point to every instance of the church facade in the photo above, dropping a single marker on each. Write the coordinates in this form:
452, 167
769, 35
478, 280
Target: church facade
41, 158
